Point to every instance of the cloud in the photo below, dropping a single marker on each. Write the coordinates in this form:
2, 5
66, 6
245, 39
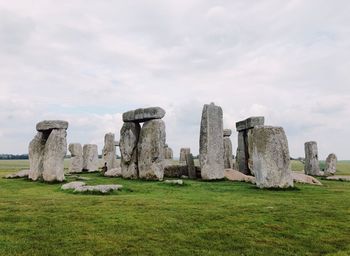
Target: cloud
90, 61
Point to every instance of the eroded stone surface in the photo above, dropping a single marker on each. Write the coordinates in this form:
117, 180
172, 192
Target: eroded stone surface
98, 188
109, 151
36, 155
211, 146
234, 175
90, 158
305, 179
20, 174
54, 153
168, 152
144, 114
116, 172
151, 150
228, 158
227, 132
129, 137
269, 157
190, 166
177, 182
331, 165
51, 124
339, 177
249, 123
183, 153
73, 185
76, 161
312, 166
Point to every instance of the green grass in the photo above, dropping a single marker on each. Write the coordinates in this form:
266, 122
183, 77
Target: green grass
154, 218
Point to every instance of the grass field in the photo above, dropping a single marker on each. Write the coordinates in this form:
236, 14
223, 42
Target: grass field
153, 218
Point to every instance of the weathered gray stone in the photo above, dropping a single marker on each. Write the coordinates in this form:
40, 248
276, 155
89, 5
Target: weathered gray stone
168, 152
90, 157
116, 172
269, 157
76, 161
227, 132
228, 159
73, 185
143, 114
305, 179
331, 165
242, 153
339, 178
20, 174
234, 175
211, 145
109, 151
249, 123
151, 150
36, 155
176, 182
116, 143
129, 137
98, 188
47, 151
54, 153
183, 153
312, 166
190, 166
51, 124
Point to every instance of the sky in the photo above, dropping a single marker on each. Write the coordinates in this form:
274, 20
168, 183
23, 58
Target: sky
88, 61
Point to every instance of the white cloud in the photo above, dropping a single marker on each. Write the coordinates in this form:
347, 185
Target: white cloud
89, 61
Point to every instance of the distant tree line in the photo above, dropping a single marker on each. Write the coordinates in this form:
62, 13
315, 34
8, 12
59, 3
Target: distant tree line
13, 157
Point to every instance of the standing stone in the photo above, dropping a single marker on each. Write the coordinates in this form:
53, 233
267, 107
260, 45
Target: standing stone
331, 165
242, 154
211, 145
270, 160
129, 137
109, 152
36, 154
90, 156
228, 159
76, 151
168, 152
312, 166
190, 166
54, 153
183, 153
151, 150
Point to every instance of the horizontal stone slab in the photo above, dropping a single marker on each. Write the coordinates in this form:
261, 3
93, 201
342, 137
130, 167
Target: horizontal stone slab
143, 114
250, 123
51, 124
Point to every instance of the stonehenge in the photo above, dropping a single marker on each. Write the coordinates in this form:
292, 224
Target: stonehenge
331, 165
312, 166
190, 166
109, 151
269, 154
47, 151
142, 149
211, 144
183, 153
242, 155
228, 159
76, 164
168, 152
90, 158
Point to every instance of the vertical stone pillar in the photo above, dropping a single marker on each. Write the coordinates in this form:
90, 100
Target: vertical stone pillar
268, 149
109, 151
228, 159
76, 164
312, 166
129, 137
151, 150
183, 153
90, 156
211, 145
331, 165
190, 166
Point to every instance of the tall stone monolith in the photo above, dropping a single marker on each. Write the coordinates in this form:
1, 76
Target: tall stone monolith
183, 153
109, 151
76, 161
129, 137
151, 150
211, 145
90, 158
312, 166
331, 165
270, 160
228, 158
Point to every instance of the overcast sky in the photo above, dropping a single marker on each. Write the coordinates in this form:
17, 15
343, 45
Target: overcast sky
87, 62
